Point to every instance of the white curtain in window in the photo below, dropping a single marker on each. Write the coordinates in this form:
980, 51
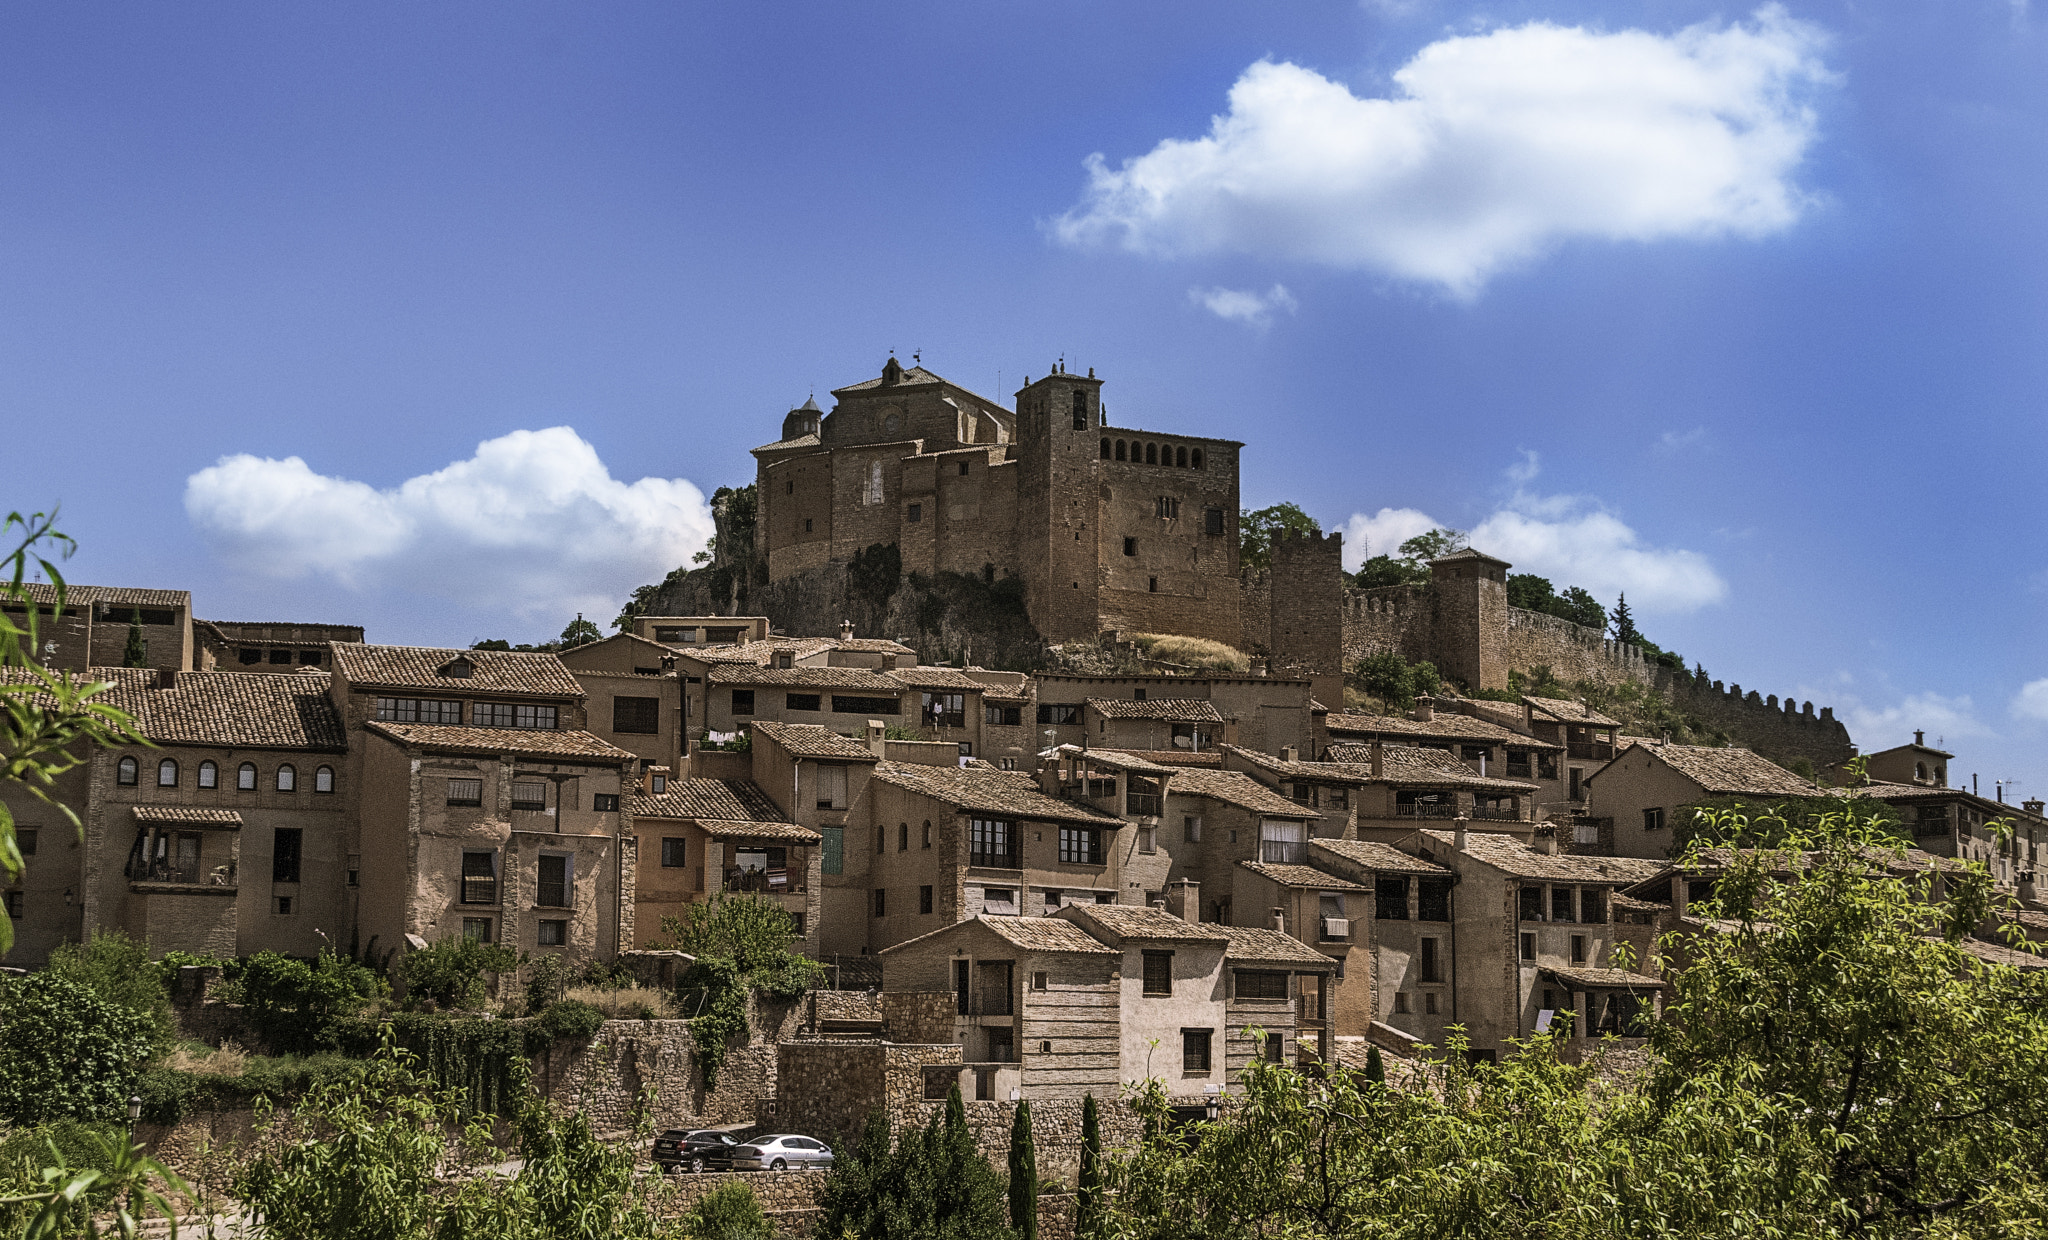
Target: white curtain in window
1282, 842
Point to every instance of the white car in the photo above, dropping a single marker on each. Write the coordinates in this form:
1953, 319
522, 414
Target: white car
779, 1153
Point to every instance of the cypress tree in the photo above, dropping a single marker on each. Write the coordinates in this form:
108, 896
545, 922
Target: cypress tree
136, 653
1088, 1202
1023, 1176
1375, 1067
1625, 623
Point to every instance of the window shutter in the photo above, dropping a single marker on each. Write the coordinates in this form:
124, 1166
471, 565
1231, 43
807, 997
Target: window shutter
835, 849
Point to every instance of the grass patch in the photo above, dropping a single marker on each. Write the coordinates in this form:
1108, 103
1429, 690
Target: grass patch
1192, 651
625, 1002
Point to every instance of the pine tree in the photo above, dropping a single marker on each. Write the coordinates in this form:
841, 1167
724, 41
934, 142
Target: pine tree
136, 653
1375, 1067
1088, 1203
1023, 1176
1625, 624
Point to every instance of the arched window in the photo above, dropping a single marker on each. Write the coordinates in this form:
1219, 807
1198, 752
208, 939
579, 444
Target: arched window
323, 779
209, 775
1196, 460
167, 774
287, 778
902, 836
1151, 454
1119, 449
1105, 447
124, 773
1920, 770
1180, 458
245, 777
927, 833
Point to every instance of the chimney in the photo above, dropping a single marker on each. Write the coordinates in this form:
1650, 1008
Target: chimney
1184, 899
1425, 709
1277, 919
1546, 842
1379, 761
877, 745
1919, 737
1461, 832
1258, 665
1289, 753
2034, 806
846, 630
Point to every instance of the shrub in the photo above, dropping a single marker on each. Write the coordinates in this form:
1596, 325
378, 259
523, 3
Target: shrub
1194, 651
118, 969
1387, 677
570, 1019
625, 1003
66, 1052
293, 1005
728, 1212
546, 978
450, 973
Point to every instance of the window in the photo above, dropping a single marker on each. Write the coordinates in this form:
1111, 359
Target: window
1166, 506
1212, 522
902, 837
248, 656
1282, 842
945, 710
167, 773
323, 780
1059, 714
1053, 898
282, 905
1152, 584
1261, 985
1429, 962
1429, 1002
285, 843
1130, 546
1146, 843
1194, 1051
1105, 897
1008, 716
1191, 828
25, 840
807, 525
1001, 901
881, 903
124, 772
1390, 899
1653, 819
675, 851
831, 786
1593, 905
245, 777
1401, 1002
1151, 454
1531, 899
640, 715
1007, 764
863, 705
608, 802
1561, 904
479, 878
14, 905
529, 794
554, 884
1578, 949
914, 514
1158, 973
418, 710
553, 933
742, 701
287, 778
209, 775
803, 701
674, 633
924, 899
466, 792
1122, 450
476, 929
1081, 845
992, 842
1080, 416
312, 658
834, 857
281, 656
927, 833
1528, 946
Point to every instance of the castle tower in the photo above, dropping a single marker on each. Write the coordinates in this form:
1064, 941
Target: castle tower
1307, 601
1059, 535
1469, 590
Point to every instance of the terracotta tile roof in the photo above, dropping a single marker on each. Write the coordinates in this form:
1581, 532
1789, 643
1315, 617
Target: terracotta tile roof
1374, 855
192, 815
1174, 710
911, 374
1131, 921
1570, 712
719, 800
1581, 977
871, 645
1998, 953
645, 678
494, 672
1116, 760
1006, 693
1031, 934
936, 678
1886, 791
872, 684
801, 441
1257, 945
530, 742
1239, 789
1401, 766
789, 832
1005, 793
240, 709
1443, 727
814, 740
1512, 857
126, 677
1629, 904
1301, 876
76, 595
1208, 758
121, 678
761, 650
1730, 772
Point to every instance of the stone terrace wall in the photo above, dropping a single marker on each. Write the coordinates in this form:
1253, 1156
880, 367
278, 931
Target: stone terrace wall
918, 1016
605, 1076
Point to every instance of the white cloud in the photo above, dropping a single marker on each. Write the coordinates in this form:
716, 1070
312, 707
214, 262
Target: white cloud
534, 522
1493, 149
1941, 716
2031, 702
1245, 305
1671, 443
1382, 533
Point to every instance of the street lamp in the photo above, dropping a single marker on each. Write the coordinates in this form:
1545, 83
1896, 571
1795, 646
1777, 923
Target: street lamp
134, 1114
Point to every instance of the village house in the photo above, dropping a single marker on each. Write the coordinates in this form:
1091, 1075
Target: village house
1394, 790
1486, 746
1186, 714
700, 837
1639, 801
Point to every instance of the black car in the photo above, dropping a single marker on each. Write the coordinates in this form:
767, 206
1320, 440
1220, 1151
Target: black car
705, 1149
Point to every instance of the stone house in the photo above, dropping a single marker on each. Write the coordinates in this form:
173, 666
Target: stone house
1638, 802
1401, 968
699, 837
2011, 840
1484, 745
1534, 933
1116, 712
819, 780
700, 631
1396, 789
235, 646
1919, 764
93, 631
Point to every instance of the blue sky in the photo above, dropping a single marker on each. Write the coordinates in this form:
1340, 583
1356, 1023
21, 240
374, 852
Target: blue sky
1738, 309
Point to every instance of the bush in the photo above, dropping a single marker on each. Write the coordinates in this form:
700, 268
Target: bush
625, 1002
66, 1052
728, 1212
570, 1019
1386, 677
1194, 651
79, 1146
293, 1005
450, 974
547, 977
118, 969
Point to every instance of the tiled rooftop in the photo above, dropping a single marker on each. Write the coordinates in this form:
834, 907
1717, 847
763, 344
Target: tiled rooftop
1003, 793
1581, 977
1301, 876
238, 709
723, 800
1731, 772
1444, 727
946, 678
1401, 766
871, 684
1512, 857
191, 815
1239, 789
1031, 934
1570, 712
76, 595
1375, 855
813, 740
1255, 944
492, 672
1131, 921
1115, 760
529, 742
1172, 710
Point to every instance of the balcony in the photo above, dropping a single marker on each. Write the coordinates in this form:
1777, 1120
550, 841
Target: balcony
1426, 809
1142, 804
1490, 814
1597, 750
1518, 770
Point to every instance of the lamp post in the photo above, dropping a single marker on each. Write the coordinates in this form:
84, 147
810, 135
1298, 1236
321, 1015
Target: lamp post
134, 1113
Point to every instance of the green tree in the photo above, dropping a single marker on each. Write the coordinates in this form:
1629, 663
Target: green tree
136, 652
1375, 1065
580, 632
1433, 545
1625, 622
66, 1052
292, 1004
1023, 1175
933, 1184
1387, 676
1257, 529
1530, 592
1581, 608
742, 943
728, 1212
118, 969
1088, 1185
450, 973
1385, 570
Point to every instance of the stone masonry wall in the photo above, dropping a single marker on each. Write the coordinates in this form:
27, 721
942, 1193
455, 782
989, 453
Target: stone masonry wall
918, 1016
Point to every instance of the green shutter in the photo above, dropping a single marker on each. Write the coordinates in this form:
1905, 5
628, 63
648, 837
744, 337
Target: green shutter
835, 849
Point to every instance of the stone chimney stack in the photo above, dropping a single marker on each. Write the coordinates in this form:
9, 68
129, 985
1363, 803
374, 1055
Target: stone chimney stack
877, 745
1277, 919
2034, 806
846, 630
1546, 841
1289, 753
1184, 899
1425, 709
1461, 832
1379, 761
1919, 737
